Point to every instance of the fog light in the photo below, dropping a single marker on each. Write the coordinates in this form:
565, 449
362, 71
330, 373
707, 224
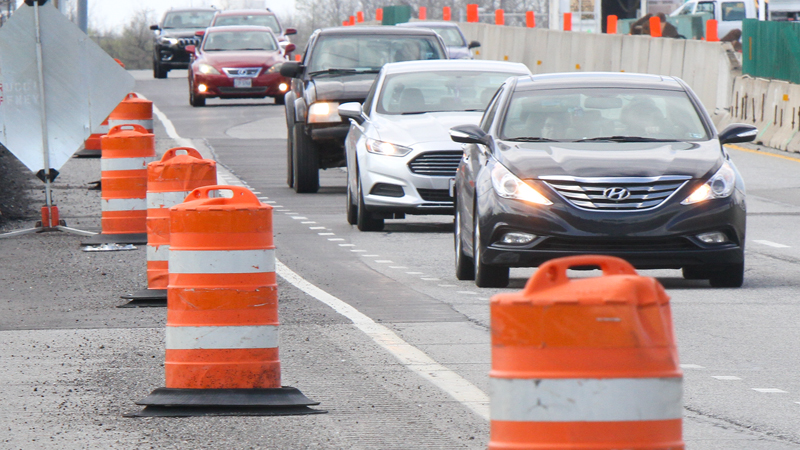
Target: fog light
283, 87
518, 238
714, 237
202, 88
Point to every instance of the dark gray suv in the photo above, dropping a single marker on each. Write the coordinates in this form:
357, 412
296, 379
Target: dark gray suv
175, 31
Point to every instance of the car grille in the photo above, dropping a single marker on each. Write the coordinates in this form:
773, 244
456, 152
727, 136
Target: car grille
436, 195
252, 90
183, 42
436, 164
585, 245
242, 72
616, 194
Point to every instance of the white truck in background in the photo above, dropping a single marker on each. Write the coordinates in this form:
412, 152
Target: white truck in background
728, 13
783, 10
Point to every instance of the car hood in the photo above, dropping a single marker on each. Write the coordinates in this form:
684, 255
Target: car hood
458, 53
351, 87
249, 58
420, 128
179, 32
651, 159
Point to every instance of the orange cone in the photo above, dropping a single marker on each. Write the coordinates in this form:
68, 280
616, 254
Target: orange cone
222, 316
133, 110
585, 363
169, 181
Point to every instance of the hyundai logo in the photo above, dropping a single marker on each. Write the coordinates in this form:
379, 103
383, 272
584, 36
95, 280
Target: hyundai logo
616, 193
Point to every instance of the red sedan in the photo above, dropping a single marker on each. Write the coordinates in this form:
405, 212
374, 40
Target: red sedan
237, 62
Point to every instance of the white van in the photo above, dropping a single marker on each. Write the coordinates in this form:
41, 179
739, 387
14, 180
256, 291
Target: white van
729, 13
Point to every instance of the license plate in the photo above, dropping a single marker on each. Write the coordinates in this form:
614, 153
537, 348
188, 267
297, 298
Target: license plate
242, 82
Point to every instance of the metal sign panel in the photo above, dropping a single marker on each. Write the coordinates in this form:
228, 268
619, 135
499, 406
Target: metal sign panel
82, 85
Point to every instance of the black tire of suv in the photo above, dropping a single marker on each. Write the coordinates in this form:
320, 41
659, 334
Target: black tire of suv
280, 100
486, 275
305, 162
727, 276
159, 71
364, 220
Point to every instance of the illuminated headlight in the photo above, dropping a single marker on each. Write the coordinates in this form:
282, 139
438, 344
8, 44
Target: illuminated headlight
207, 69
283, 87
168, 40
518, 238
323, 112
202, 88
275, 68
385, 148
714, 237
506, 185
721, 185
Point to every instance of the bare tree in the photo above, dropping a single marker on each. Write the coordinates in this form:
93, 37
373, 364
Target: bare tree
133, 45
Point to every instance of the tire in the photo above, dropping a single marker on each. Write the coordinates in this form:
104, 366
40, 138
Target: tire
289, 162
695, 273
364, 220
465, 265
728, 276
280, 100
352, 206
194, 99
305, 162
486, 275
159, 71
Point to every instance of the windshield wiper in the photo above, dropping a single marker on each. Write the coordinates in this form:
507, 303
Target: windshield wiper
624, 139
408, 113
530, 139
337, 71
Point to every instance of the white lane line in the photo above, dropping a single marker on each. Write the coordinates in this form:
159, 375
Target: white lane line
409, 356
264, 198
447, 285
327, 234
277, 206
397, 267
316, 228
726, 378
271, 202
291, 213
299, 217
348, 245
770, 243
432, 279
467, 292
171, 132
308, 222
358, 251
691, 366
370, 256
770, 390
336, 239
415, 273
383, 261
255, 192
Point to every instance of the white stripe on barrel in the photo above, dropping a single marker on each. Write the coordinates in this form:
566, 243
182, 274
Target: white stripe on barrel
586, 400
146, 123
124, 204
221, 261
222, 337
159, 200
157, 252
107, 164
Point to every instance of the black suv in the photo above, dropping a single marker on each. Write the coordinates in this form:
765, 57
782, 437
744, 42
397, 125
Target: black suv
175, 31
339, 66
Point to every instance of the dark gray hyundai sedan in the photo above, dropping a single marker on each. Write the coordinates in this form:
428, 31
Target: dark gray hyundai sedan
627, 165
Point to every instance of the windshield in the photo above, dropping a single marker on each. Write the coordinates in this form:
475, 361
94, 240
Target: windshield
239, 40
370, 52
450, 36
258, 20
189, 19
446, 90
602, 114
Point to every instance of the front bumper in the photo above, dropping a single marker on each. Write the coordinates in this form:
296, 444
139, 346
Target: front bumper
222, 86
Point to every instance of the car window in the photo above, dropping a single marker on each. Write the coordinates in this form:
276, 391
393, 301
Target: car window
366, 107
733, 11
188, 19
258, 20
435, 91
451, 36
239, 40
684, 10
575, 114
370, 52
488, 116
705, 7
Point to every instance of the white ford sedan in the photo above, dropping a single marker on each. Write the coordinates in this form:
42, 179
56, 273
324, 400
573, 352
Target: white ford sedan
400, 158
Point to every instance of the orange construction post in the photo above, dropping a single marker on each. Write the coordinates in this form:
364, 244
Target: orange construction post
611, 25
655, 26
345, 23
379, 14
133, 110
352, 20
711, 31
585, 363
360, 16
567, 21
530, 19
169, 181
472, 13
446, 13
499, 17
222, 316
423, 13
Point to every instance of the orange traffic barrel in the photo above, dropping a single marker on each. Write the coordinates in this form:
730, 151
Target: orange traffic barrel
222, 308
169, 181
586, 363
127, 149
91, 147
133, 110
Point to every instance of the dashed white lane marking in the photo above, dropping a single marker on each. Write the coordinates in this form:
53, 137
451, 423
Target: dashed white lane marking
277, 206
308, 222
298, 217
726, 378
383, 261
409, 356
370, 256
347, 245
271, 202
432, 279
327, 234
335, 239
467, 292
770, 243
414, 273
291, 213
770, 390
256, 192
358, 251
316, 228
691, 366
447, 285
397, 267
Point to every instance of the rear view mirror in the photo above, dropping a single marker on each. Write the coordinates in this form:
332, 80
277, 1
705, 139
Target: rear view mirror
352, 110
289, 31
468, 134
291, 69
154, 27
289, 48
200, 33
473, 44
738, 132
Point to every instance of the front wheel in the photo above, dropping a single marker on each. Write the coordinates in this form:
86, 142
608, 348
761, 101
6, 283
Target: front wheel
194, 99
305, 162
728, 275
465, 265
159, 71
289, 162
486, 275
364, 219
279, 100
352, 205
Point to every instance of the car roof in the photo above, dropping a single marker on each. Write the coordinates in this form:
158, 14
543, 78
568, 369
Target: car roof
238, 28
199, 9
427, 24
245, 12
598, 79
454, 64
377, 30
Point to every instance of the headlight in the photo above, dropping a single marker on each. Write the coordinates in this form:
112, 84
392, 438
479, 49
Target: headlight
721, 185
207, 69
168, 40
323, 112
507, 185
385, 148
275, 68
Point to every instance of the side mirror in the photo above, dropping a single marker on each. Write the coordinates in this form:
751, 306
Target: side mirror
473, 44
154, 27
738, 132
191, 49
292, 69
200, 33
289, 31
289, 48
352, 110
468, 134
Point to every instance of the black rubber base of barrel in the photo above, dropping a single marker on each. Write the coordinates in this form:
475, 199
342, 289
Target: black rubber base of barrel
88, 153
128, 238
283, 401
146, 298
